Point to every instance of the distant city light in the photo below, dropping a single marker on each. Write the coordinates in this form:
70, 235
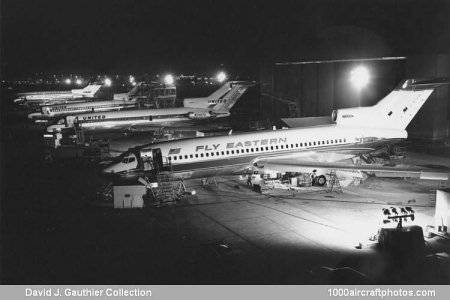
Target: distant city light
359, 77
68, 81
168, 79
108, 82
221, 77
78, 81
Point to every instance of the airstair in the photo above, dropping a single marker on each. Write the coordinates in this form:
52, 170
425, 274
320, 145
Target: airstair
164, 191
334, 184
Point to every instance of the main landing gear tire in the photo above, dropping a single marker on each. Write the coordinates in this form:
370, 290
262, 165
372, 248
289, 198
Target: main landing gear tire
321, 180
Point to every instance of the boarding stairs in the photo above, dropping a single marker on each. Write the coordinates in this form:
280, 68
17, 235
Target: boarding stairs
105, 192
334, 184
164, 193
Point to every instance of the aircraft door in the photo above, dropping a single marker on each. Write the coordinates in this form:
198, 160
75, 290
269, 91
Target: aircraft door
157, 158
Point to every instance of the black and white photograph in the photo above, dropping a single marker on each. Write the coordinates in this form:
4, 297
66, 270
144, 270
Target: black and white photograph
210, 142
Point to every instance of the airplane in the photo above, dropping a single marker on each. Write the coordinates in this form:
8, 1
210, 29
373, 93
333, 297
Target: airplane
354, 132
54, 97
120, 101
206, 109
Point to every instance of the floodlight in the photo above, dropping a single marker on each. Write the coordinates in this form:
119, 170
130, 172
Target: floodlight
68, 81
359, 77
108, 82
78, 81
221, 76
168, 79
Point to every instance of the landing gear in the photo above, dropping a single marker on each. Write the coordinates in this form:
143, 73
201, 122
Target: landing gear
320, 180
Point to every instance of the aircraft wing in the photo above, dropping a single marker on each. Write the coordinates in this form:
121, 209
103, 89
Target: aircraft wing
177, 126
379, 170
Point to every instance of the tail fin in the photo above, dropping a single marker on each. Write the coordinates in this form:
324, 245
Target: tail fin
394, 111
88, 91
233, 95
215, 98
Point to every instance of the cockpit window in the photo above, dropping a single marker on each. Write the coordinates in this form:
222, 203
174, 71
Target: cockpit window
128, 159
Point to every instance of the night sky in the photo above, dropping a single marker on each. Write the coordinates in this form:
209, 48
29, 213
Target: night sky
203, 36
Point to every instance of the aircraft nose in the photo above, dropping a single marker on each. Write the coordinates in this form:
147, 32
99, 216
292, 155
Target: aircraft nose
108, 170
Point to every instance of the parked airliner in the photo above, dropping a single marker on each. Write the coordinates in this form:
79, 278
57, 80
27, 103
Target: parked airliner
355, 131
205, 110
54, 97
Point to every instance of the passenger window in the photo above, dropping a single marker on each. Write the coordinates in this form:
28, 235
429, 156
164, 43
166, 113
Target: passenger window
271, 147
174, 158
180, 157
201, 154
223, 153
217, 153
186, 157
228, 152
207, 154
170, 158
246, 150
282, 147
191, 156
252, 150
196, 155
232, 151
276, 147
212, 153
267, 148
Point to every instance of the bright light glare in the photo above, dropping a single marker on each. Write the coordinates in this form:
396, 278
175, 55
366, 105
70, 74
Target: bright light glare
108, 82
133, 83
359, 77
221, 76
68, 81
168, 79
131, 78
78, 81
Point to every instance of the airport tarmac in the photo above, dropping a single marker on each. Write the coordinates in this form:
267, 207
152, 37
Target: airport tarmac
54, 235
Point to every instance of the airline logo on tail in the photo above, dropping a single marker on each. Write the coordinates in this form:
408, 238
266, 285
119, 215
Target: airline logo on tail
230, 99
88, 91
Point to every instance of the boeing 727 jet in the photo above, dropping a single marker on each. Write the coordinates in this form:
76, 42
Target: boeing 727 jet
355, 131
204, 110
57, 97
